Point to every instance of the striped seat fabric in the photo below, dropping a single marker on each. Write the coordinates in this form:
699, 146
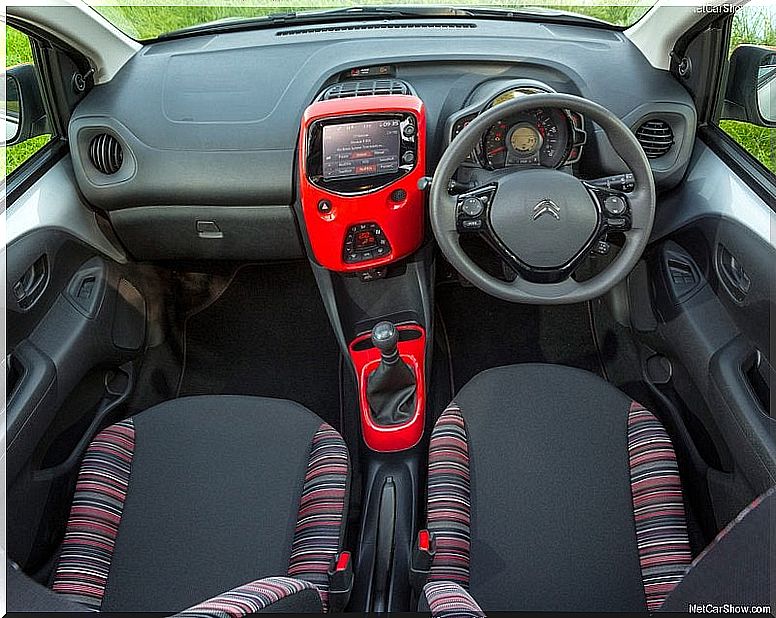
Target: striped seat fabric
449, 498
249, 599
449, 600
90, 538
658, 508
319, 529
104, 481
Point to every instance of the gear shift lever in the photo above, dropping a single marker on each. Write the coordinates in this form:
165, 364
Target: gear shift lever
385, 338
391, 387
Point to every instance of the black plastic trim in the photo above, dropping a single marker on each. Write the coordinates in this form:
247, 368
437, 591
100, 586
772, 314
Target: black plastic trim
37, 378
707, 102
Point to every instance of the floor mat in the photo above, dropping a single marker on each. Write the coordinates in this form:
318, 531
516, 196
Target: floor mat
268, 334
484, 332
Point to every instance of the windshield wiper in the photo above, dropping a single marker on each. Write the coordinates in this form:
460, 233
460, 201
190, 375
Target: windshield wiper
357, 13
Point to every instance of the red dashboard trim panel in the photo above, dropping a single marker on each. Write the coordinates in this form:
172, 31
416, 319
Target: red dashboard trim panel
402, 222
391, 438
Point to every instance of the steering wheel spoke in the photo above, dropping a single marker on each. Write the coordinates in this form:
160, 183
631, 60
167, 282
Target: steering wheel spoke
472, 210
472, 216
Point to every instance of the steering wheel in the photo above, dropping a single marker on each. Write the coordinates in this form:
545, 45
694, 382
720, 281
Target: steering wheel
543, 222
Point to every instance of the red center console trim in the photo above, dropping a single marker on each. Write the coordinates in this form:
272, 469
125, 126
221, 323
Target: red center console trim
396, 209
366, 358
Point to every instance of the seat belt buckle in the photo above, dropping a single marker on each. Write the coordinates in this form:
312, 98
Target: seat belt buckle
422, 558
340, 581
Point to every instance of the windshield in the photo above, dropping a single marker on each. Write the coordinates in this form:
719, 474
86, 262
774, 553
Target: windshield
147, 19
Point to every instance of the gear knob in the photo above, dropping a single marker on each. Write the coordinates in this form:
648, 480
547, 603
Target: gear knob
385, 338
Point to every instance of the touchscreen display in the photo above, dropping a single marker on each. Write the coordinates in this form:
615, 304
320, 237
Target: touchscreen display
360, 149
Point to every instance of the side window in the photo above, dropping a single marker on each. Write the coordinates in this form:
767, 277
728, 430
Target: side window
749, 109
27, 127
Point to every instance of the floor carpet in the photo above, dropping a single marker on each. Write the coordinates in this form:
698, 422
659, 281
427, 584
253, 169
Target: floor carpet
484, 332
268, 334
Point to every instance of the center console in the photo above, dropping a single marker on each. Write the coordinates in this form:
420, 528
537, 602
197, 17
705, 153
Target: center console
361, 159
362, 153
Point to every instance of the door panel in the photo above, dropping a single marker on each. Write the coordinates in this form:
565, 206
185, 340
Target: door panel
76, 324
712, 283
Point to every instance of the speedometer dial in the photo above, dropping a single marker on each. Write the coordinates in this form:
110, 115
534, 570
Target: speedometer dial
525, 139
537, 137
495, 145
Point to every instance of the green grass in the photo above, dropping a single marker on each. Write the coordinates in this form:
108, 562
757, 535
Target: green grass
758, 141
18, 154
17, 47
753, 25
147, 22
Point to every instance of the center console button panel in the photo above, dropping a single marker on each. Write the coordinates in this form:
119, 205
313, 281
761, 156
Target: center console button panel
364, 242
360, 160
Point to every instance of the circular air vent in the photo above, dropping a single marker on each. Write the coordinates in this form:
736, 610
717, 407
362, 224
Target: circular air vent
656, 137
106, 154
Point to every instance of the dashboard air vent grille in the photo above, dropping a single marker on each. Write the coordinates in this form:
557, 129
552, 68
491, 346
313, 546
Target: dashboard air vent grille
106, 153
365, 88
381, 26
656, 137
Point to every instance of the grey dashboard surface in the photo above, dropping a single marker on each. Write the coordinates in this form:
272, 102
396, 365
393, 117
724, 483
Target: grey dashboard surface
214, 119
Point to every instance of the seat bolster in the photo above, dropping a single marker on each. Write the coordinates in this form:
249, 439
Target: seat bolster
270, 595
449, 600
90, 538
320, 526
658, 506
449, 498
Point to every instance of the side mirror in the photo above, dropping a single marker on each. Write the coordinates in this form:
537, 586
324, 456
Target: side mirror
751, 89
13, 110
25, 113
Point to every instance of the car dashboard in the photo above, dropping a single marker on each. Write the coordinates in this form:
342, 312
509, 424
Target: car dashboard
221, 156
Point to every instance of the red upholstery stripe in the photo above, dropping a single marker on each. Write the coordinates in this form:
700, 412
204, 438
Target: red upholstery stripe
100, 492
321, 510
248, 599
658, 508
449, 599
449, 498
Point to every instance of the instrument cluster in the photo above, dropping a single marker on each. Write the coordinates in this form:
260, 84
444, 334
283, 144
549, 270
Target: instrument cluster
541, 137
